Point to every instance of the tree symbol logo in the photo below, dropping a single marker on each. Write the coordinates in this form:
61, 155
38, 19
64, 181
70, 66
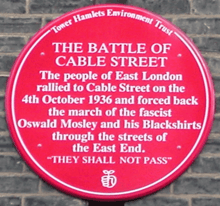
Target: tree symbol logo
108, 180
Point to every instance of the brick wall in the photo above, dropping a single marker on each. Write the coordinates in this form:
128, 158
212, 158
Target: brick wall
20, 19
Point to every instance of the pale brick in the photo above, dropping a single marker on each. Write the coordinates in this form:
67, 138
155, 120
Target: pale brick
206, 6
158, 201
216, 125
3, 124
2, 104
56, 6
10, 201
3, 82
207, 44
216, 80
212, 146
199, 26
19, 25
11, 44
13, 6
206, 201
6, 63
6, 144
54, 201
206, 165
47, 187
164, 6
214, 64
197, 185
19, 184
10, 164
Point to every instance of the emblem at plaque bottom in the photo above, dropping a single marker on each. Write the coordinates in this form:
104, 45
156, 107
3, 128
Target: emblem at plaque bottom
108, 180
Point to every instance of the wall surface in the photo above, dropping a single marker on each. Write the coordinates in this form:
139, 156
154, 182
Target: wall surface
20, 19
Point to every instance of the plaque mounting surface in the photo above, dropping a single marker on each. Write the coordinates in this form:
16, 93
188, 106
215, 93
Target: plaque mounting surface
109, 102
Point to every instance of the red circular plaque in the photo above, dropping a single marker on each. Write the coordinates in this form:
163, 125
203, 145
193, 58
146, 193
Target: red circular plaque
109, 102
